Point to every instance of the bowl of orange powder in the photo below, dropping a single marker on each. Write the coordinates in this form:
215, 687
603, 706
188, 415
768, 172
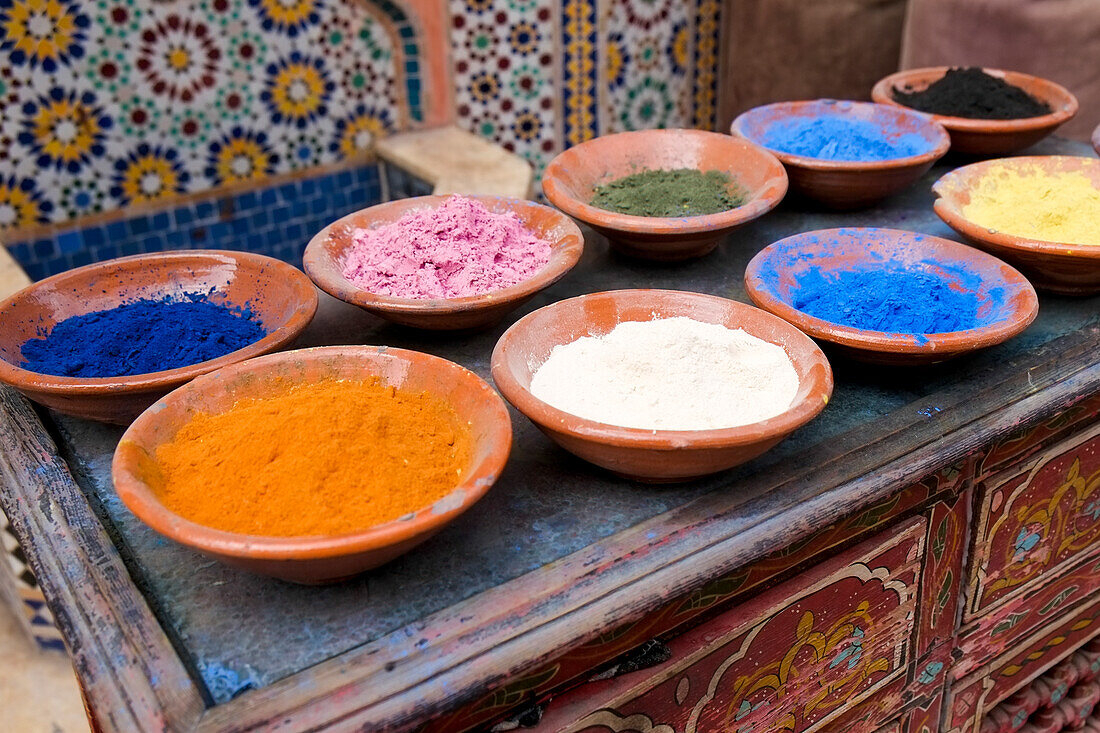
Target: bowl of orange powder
315, 465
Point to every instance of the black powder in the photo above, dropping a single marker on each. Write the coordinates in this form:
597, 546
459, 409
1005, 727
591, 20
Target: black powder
975, 94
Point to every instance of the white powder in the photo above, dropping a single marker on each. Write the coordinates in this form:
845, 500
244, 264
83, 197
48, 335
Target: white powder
669, 374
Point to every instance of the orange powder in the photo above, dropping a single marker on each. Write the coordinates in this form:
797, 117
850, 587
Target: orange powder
322, 459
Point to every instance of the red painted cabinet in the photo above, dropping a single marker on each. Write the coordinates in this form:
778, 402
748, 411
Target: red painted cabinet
1034, 519
794, 658
967, 598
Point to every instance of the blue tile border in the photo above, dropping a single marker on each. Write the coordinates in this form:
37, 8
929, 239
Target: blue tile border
410, 45
277, 220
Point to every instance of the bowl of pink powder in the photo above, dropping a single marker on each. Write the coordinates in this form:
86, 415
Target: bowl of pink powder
444, 262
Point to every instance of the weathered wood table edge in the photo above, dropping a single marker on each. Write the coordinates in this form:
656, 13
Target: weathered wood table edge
130, 669
126, 663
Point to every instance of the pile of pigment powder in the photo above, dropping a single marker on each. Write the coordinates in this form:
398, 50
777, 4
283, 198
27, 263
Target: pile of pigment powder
669, 374
1061, 207
972, 93
836, 137
327, 458
680, 192
455, 250
141, 337
891, 298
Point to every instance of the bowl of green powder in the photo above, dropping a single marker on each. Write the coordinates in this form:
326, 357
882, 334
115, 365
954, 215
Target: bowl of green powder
665, 194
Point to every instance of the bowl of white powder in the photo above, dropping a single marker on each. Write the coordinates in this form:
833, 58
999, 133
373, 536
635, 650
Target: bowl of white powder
661, 385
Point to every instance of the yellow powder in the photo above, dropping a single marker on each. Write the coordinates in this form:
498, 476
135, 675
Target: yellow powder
1050, 207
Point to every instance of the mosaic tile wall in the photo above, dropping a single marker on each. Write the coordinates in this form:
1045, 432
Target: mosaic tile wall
622, 65
277, 220
19, 588
107, 103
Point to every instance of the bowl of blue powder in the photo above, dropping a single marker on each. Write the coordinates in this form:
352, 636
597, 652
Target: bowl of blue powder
105, 341
846, 154
888, 296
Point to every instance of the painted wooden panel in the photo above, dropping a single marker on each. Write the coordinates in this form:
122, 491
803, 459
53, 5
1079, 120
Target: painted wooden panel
925, 715
972, 697
870, 715
931, 672
1067, 687
1031, 440
948, 532
1000, 629
1035, 518
792, 659
576, 666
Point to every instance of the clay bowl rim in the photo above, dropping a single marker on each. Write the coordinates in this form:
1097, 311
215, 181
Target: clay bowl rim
304, 292
1063, 103
756, 207
818, 390
1096, 139
952, 342
850, 166
141, 500
947, 209
325, 271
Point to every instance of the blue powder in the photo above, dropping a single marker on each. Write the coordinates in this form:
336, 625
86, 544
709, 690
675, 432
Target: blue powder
841, 138
141, 337
891, 298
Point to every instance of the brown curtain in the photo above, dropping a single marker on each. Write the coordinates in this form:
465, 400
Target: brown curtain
776, 50
1055, 39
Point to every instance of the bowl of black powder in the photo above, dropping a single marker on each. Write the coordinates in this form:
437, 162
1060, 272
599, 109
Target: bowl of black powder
986, 111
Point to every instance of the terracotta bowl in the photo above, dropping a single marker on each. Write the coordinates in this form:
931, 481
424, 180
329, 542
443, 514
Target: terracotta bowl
280, 295
1070, 269
572, 176
324, 257
654, 455
317, 559
988, 137
846, 184
1008, 302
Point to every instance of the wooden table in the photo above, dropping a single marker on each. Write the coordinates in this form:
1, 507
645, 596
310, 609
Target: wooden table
925, 549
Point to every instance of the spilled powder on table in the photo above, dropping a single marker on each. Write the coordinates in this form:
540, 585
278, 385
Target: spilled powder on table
669, 374
455, 250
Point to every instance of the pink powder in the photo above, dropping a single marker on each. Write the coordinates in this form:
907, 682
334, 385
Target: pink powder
456, 250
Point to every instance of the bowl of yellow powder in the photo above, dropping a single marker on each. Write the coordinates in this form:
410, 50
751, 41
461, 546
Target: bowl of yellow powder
1040, 213
315, 465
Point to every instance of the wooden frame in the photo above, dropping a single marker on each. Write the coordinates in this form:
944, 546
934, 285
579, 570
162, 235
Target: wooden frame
134, 676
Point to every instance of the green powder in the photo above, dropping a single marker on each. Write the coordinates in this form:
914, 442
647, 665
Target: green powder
681, 192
